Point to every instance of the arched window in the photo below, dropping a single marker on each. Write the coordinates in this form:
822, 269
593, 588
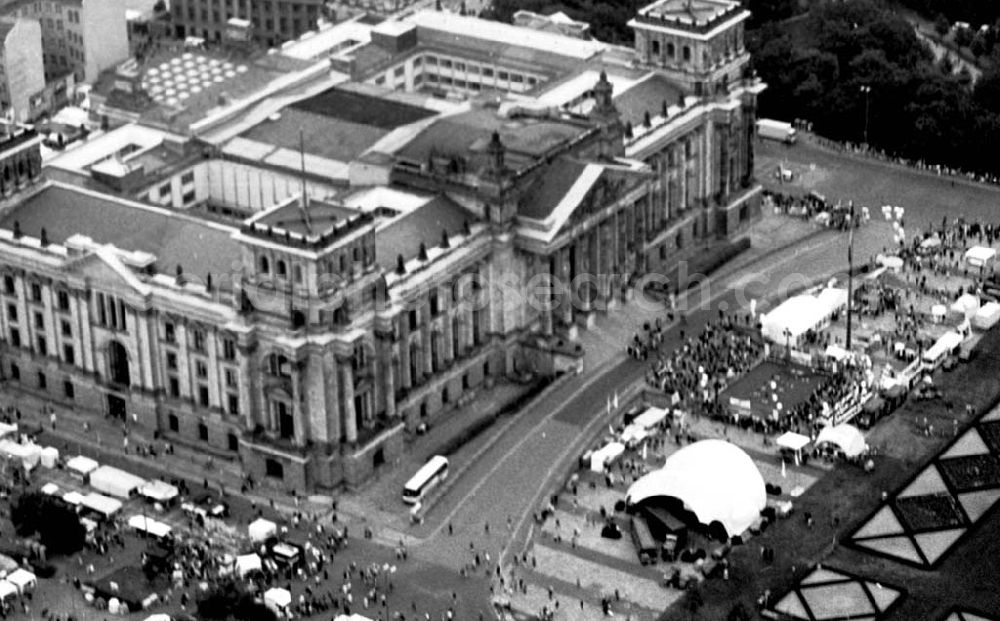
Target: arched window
656, 48
265, 266
671, 50
281, 269
687, 53
279, 366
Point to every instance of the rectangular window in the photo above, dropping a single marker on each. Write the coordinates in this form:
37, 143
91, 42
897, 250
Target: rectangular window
233, 404
198, 340
203, 432
488, 72
431, 60
36, 292
203, 395
174, 387
15, 372
229, 349
62, 300
169, 332
12, 312
188, 197
173, 423
435, 304
67, 328
171, 360
446, 63
230, 378
503, 75
43, 346
39, 321
8, 285
414, 319
69, 390
69, 355
165, 191
201, 369
186, 178
15, 337
399, 71
43, 381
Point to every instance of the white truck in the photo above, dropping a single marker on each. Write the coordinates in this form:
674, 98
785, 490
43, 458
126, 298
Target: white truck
776, 130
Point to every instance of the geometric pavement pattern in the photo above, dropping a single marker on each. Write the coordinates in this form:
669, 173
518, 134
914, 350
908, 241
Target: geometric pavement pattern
965, 615
833, 594
176, 80
919, 524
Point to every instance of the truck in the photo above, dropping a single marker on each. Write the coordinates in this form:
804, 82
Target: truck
776, 130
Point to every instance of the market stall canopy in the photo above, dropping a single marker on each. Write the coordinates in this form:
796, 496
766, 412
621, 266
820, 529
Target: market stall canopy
247, 563
847, 438
939, 310
979, 256
29, 454
945, 344
22, 579
967, 304
160, 616
149, 526
115, 482
260, 529
930, 243
7, 590
277, 599
716, 480
104, 505
50, 489
632, 435
82, 465
73, 498
159, 491
987, 316
605, 455
836, 352
650, 418
50, 456
792, 441
7, 429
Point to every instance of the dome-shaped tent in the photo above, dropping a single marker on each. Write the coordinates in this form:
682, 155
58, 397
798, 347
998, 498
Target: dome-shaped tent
715, 480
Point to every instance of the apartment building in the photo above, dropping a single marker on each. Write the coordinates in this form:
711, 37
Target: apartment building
273, 21
22, 75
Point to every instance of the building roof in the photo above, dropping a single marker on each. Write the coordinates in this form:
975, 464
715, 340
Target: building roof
6, 25
646, 95
322, 217
404, 234
200, 247
690, 12
467, 134
551, 188
715, 480
362, 109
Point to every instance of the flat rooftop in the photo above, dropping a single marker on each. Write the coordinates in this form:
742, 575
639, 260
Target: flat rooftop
690, 12
200, 247
647, 95
337, 124
319, 218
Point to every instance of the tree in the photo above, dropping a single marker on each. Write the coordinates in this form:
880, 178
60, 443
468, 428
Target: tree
963, 37
739, 612
941, 25
228, 601
694, 601
57, 526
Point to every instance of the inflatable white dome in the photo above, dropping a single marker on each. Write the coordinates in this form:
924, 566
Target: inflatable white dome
714, 479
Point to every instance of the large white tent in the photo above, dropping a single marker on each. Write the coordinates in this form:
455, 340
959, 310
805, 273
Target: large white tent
987, 316
715, 480
847, 438
802, 313
260, 529
979, 256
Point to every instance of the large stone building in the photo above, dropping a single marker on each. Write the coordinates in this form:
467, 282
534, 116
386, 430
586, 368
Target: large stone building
273, 21
21, 72
312, 334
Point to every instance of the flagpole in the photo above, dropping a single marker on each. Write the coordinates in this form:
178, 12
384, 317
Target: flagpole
850, 274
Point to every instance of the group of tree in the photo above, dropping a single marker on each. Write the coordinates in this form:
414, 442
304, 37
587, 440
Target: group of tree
56, 525
850, 60
974, 12
228, 600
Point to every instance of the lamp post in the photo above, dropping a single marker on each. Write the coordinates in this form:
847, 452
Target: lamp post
850, 273
788, 343
867, 91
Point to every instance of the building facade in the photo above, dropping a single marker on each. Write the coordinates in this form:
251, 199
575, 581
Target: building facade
22, 74
84, 37
273, 21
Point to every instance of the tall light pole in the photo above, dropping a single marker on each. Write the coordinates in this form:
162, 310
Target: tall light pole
850, 273
867, 91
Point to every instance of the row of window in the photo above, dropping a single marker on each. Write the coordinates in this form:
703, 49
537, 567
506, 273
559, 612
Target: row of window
198, 340
35, 292
42, 381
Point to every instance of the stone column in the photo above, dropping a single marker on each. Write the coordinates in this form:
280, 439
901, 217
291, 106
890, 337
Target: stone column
297, 410
389, 387
425, 340
565, 275
331, 392
245, 385
350, 418
404, 355
315, 390
448, 348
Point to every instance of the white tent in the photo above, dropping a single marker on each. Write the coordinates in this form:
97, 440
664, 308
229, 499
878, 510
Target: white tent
353, 617
23, 580
7, 430
967, 304
832, 299
101, 504
73, 498
792, 441
891, 262
7, 590
247, 563
29, 454
605, 455
938, 311
845, 437
159, 491
987, 316
650, 418
716, 480
632, 435
116, 482
50, 489
793, 318
160, 616
979, 256
81, 466
278, 600
149, 526
50, 457
836, 352
946, 344
260, 529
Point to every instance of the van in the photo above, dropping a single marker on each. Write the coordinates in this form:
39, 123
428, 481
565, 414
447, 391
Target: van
645, 545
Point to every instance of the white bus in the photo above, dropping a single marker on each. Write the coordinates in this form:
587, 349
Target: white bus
429, 475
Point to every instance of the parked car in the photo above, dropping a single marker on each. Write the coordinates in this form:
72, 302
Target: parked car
927, 392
